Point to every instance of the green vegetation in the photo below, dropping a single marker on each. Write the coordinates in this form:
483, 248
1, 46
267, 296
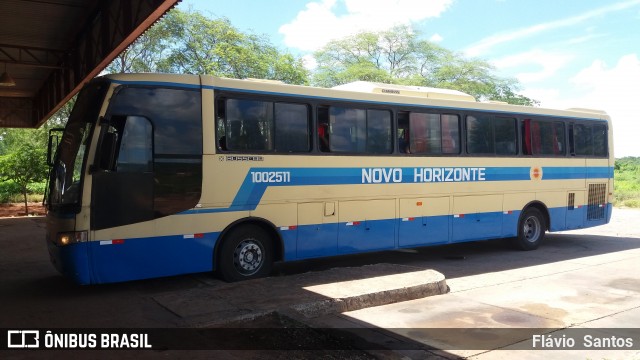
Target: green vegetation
400, 56
627, 182
22, 163
11, 193
23, 167
188, 42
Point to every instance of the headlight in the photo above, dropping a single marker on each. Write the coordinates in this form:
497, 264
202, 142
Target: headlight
67, 238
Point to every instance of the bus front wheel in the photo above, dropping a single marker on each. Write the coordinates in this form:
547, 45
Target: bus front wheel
246, 253
531, 229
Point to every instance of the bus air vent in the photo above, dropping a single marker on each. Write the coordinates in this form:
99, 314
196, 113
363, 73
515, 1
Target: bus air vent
597, 201
572, 201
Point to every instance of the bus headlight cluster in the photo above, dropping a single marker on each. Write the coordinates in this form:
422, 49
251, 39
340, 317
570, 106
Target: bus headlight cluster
67, 238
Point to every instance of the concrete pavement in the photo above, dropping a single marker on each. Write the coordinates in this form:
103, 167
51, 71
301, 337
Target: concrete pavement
595, 291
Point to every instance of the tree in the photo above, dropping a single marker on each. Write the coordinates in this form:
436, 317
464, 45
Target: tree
191, 43
23, 152
147, 53
399, 56
26, 162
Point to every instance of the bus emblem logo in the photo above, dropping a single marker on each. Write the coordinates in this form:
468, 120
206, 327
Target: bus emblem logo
21, 339
536, 173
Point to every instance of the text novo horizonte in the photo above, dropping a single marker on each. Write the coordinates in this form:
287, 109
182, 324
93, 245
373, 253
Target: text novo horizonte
425, 174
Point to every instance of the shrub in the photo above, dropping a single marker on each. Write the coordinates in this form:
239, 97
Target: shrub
8, 189
10, 192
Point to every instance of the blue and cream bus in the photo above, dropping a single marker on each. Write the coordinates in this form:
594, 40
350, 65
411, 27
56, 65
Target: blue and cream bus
158, 175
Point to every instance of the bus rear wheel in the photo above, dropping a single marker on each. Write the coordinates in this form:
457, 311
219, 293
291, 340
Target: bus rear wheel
246, 253
531, 229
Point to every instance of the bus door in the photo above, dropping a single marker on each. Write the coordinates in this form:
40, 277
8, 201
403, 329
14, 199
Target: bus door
123, 182
424, 221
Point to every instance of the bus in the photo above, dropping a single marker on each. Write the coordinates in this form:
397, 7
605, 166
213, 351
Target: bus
158, 175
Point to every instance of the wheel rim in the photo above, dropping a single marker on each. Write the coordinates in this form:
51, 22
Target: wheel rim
531, 229
248, 257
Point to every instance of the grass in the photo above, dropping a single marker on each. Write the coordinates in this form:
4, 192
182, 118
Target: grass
626, 179
18, 198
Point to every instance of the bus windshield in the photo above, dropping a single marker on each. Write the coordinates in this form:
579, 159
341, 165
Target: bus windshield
66, 176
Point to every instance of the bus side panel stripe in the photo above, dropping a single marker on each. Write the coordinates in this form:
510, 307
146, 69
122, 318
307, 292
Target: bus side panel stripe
599, 172
250, 193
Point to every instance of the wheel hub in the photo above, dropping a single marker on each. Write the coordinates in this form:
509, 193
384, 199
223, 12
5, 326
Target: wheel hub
531, 229
248, 257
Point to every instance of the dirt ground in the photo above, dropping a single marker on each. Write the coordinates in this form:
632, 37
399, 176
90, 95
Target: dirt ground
17, 209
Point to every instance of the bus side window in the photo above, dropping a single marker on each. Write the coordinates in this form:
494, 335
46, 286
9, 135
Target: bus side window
250, 125
489, 134
323, 137
583, 140
135, 153
526, 137
221, 128
379, 139
572, 142
588, 140
505, 135
480, 135
559, 147
403, 133
600, 140
323, 129
291, 128
425, 133
347, 129
247, 125
450, 125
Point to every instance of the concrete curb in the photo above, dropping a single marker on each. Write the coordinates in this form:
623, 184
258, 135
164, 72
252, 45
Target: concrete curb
307, 295
434, 285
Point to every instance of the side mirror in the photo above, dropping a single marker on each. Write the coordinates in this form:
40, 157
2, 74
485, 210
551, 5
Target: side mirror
52, 147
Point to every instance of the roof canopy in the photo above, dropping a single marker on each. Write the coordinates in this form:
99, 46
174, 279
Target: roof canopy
51, 47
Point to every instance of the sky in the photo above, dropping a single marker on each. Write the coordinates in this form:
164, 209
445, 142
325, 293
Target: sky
565, 53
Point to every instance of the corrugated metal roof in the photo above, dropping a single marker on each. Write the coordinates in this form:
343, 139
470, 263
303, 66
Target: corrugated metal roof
42, 24
35, 35
34, 31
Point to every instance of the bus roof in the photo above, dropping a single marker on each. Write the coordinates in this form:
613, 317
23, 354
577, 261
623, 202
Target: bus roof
357, 91
405, 90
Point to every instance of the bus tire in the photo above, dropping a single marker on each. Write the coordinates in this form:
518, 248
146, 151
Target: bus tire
531, 229
246, 253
